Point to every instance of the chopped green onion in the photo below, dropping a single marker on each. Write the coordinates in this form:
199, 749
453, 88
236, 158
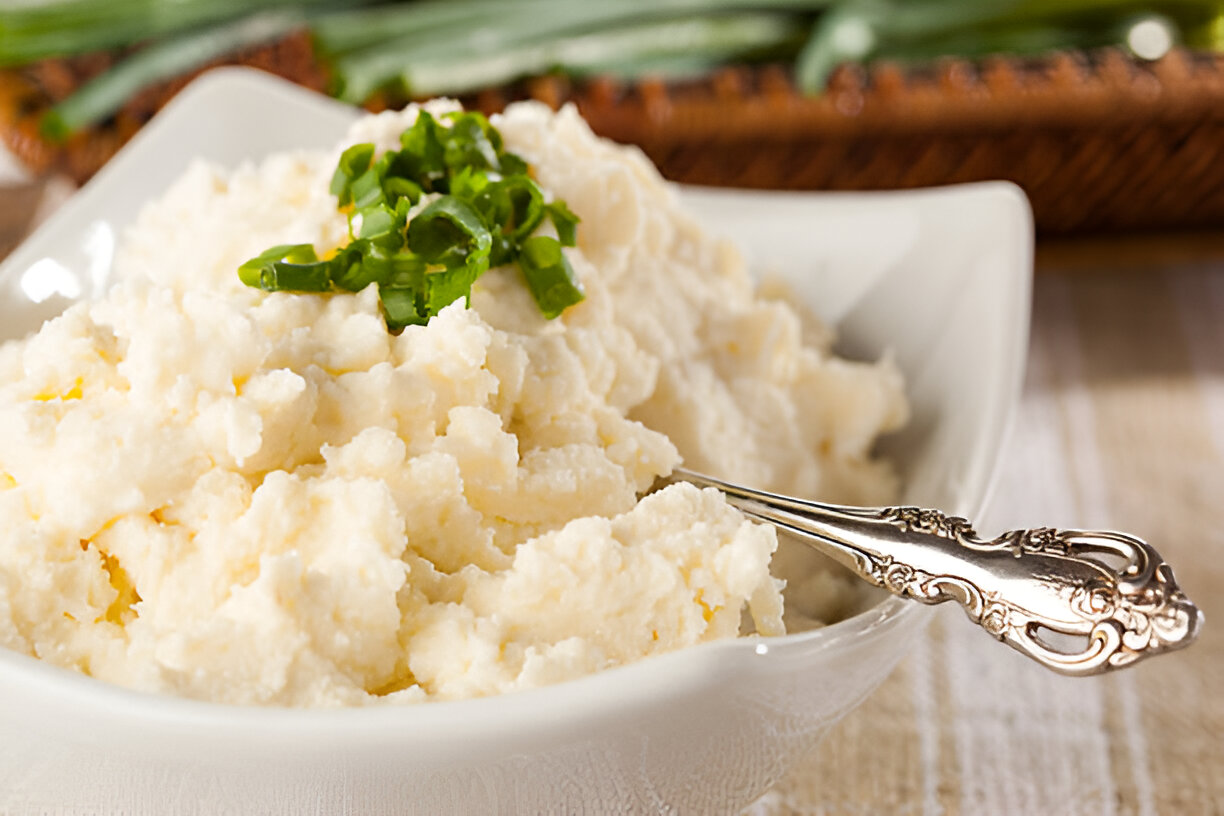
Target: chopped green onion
565, 222
402, 188
445, 287
470, 144
353, 163
468, 184
422, 158
252, 273
483, 212
517, 202
377, 221
399, 308
367, 189
449, 232
290, 277
350, 273
549, 275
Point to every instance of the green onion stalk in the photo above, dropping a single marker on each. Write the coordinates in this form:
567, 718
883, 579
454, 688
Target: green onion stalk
858, 30
36, 29
419, 48
105, 94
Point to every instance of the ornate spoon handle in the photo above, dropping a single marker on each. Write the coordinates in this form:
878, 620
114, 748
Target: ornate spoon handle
1077, 602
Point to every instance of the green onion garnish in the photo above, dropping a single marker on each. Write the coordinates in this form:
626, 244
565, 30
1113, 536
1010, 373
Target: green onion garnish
484, 211
549, 276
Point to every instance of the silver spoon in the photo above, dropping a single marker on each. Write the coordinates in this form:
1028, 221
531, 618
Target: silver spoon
1077, 602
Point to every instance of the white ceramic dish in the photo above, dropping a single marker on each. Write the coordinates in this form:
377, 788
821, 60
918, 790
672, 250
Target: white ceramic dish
940, 276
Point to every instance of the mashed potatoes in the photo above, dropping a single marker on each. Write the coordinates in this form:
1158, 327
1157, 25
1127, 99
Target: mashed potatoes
216, 492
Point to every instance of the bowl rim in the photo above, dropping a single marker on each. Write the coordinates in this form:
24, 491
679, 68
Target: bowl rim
608, 691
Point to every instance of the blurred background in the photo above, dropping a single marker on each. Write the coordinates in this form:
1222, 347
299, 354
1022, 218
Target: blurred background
1109, 113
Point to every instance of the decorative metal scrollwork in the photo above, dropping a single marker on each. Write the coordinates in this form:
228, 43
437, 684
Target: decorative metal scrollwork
1076, 601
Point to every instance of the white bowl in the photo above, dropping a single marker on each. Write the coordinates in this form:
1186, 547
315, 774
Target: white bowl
939, 276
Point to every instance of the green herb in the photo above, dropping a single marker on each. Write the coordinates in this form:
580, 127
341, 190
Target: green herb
565, 221
548, 274
427, 47
483, 211
290, 266
37, 29
107, 92
353, 162
470, 62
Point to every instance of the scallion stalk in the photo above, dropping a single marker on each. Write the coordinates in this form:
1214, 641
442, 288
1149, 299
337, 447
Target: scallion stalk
455, 46
428, 72
857, 30
360, 30
56, 28
106, 93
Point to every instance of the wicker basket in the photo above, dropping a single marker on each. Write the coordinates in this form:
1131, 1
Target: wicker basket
1098, 141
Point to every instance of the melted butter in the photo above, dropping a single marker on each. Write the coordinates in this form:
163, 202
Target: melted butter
73, 393
121, 611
